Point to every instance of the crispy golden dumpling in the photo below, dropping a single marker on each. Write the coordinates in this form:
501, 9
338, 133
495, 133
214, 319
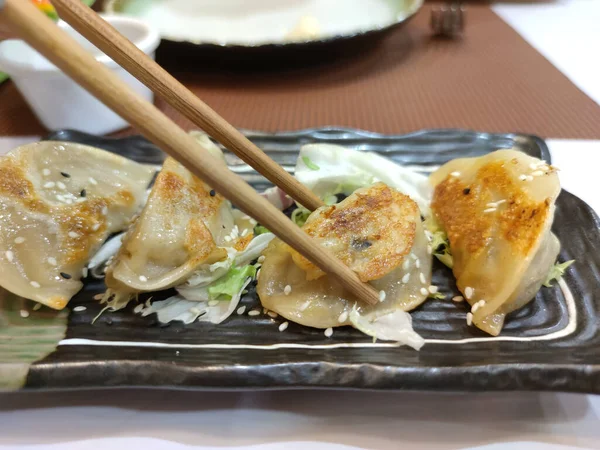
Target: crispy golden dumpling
58, 203
377, 232
497, 211
184, 224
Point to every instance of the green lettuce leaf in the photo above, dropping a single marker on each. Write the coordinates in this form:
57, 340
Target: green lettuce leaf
259, 229
300, 215
439, 243
308, 163
3, 77
230, 284
556, 272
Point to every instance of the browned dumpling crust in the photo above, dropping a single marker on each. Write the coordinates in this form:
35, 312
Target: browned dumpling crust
58, 203
497, 211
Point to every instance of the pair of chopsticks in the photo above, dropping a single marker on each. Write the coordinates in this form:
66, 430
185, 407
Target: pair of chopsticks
45, 36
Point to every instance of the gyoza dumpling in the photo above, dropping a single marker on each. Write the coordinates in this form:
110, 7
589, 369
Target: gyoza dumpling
497, 211
184, 224
377, 232
187, 237
58, 203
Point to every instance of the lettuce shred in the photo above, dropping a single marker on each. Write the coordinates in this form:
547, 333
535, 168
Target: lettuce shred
439, 243
300, 216
308, 163
231, 283
259, 229
556, 272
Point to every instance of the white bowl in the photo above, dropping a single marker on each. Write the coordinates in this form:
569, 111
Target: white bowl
57, 100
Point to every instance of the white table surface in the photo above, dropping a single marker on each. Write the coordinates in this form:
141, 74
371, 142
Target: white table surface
335, 420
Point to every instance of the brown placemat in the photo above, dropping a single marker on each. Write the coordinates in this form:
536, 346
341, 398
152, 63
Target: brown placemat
491, 80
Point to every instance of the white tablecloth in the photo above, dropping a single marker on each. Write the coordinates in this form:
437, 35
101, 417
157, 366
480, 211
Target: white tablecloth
345, 420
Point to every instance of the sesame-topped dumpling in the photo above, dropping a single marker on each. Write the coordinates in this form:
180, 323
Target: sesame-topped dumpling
58, 203
377, 232
184, 224
497, 211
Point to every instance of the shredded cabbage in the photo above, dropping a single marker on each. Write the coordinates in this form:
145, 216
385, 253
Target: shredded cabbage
395, 326
342, 170
439, 242
230, 284
556, 272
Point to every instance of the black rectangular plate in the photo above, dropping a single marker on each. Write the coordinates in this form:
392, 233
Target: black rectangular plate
536, 350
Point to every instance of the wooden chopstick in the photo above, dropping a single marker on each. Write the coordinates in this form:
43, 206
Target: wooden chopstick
127, 55
45, 36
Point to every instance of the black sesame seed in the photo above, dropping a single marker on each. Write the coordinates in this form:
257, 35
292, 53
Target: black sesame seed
83, 193
212, 193
65, 174
467, 191
66, 276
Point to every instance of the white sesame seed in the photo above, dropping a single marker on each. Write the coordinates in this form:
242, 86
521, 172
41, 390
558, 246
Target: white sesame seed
84, 272
328, 332
455, 174
261, 259
24, 313
537, 173
475, 307
418, 263
381, 296
491, 205
19, 240
432, 289
138, 308
104, 211
469, 292
529, 178
458, 298
405, 278
304, 305
35, 284
69, 202
241, 310
534, 166
272, 314
424, 291
73, 235
96, 226
489, 210
522, 177
469, 319
481, 303
499, 202
287, 289
254, 312
61, 185
80, 308
49, 185
213, 303
227, 238
406, 264
10, 255
422, 278
37, 306
93, 181
429, 250
143, 279
284, 326
343, 317
46, 172
81, 200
